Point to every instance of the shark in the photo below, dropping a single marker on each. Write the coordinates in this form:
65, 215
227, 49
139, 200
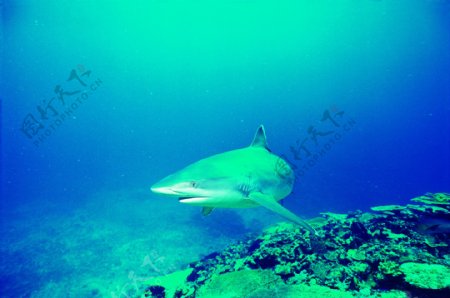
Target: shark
242, 178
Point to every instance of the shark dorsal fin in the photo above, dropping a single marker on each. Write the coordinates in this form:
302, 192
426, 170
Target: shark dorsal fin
260, 138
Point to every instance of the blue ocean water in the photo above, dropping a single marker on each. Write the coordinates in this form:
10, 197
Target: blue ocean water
100, 100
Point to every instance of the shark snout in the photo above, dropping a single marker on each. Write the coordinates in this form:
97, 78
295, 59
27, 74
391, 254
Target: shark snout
172, 189
164, 190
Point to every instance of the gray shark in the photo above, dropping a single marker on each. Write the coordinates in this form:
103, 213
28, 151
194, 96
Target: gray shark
242, 178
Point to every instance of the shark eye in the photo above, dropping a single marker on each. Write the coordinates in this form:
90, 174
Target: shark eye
193, 184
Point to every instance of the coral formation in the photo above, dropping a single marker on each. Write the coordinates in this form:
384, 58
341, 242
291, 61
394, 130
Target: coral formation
439, 198
398, 251
426, 276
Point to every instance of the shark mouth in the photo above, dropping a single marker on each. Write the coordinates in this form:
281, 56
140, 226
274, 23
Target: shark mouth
191, 199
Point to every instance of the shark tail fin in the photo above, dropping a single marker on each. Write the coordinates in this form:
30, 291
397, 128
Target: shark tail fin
260, 138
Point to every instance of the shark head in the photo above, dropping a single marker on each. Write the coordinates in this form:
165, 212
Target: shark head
210, 182
190, 188
241, 178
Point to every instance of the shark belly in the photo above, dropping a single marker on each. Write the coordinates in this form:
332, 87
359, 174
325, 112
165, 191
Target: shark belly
234, 201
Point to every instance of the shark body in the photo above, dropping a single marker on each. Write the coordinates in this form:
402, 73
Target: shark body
241, 178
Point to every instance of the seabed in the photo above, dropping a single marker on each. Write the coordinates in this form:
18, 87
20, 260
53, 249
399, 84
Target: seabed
127, 247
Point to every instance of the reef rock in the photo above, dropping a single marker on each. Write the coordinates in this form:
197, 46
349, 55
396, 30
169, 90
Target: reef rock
398, 251
426, 276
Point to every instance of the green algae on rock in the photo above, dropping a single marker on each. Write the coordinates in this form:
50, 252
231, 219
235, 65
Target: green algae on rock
389, 209
299, 291
440, 198
389, 268
426, 276
167, 285
262, 284
239, 284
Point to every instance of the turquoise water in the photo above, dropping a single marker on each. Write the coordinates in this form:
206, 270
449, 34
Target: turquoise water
100, 101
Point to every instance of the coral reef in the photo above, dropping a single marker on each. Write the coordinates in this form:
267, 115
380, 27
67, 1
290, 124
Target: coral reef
395, 251
426, 276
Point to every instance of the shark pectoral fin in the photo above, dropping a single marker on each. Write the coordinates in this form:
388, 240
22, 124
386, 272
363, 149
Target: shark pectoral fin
270, 203
207, 211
